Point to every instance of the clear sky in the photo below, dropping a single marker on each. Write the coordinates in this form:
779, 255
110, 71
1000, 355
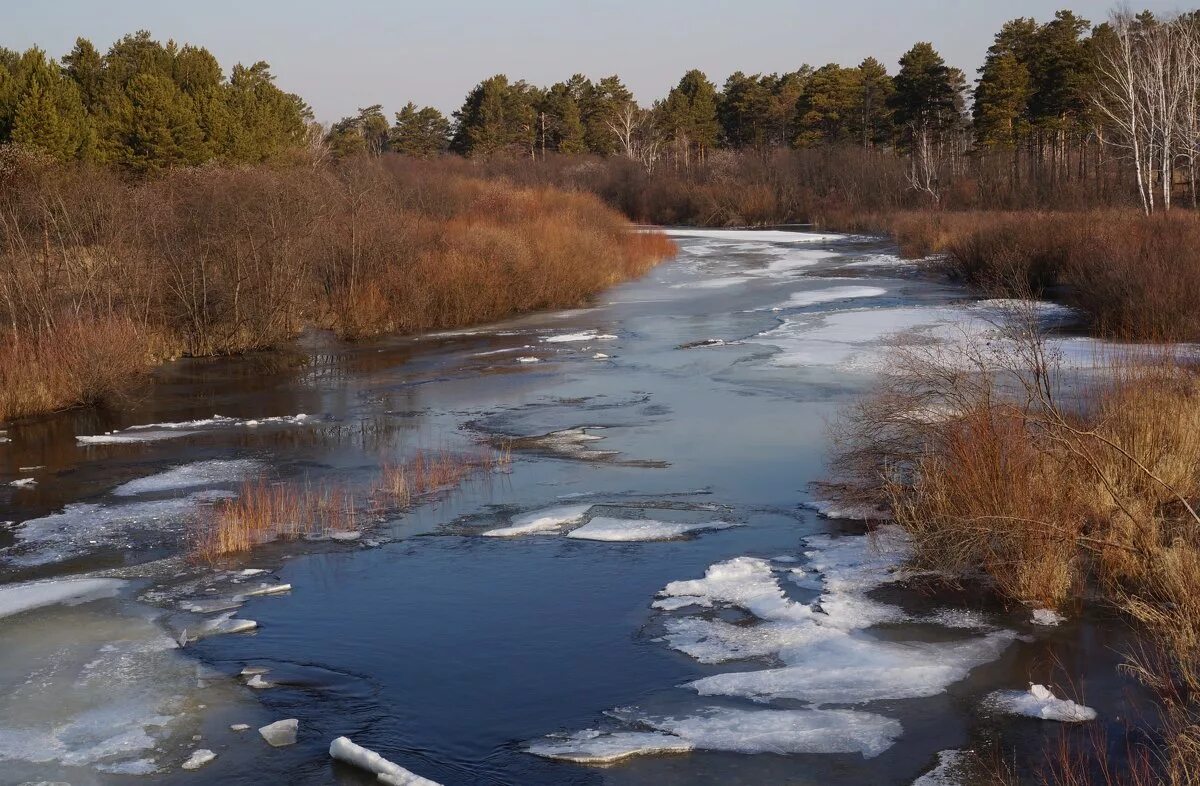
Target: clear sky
343, 54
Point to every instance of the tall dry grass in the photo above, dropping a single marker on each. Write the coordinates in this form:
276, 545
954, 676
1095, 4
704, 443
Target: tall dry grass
1057, 494
220, 260
1135, 276
431, 472
77, 361
264, 512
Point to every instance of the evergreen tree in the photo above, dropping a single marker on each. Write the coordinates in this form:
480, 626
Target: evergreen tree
496, 117
160, 130
42, 108
745, 108
1001, 108
560, 124
84, 65
599, 106
689, 115
826, 111
366, 132
422, 133
872, 111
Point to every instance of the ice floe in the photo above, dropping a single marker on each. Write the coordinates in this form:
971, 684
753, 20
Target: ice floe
547, 520
385, 771
1048, 617
18, 598
615, 529
24, 483
831, 295
94, 685
584, 335
155, 432
1040, 702
187, 476
82, 527
825, 657
198, 759
529, 360
281, 732
854, 511
728, 729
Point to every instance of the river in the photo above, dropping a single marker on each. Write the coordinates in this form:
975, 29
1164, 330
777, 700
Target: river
670, 434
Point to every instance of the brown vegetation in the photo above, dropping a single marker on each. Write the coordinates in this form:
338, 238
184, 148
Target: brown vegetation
78, 361
220, 260
998, 470
1134, 276
429, 472
264, 512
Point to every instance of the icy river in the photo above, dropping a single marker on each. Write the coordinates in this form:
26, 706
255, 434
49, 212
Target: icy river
648, 594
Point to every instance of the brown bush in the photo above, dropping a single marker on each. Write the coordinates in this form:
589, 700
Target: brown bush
220, 260
75, 362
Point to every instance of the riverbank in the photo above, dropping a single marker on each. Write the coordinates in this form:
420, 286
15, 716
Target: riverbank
104, 277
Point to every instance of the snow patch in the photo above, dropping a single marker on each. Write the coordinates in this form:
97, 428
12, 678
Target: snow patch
1048, 617
831, 295
19, 598
950, 770
726, 729
755, 235
202, 473
155, 432
1040, 702
584, 335
548, 520
607, 528
198, 759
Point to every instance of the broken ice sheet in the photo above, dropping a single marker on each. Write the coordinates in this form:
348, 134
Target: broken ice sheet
728, 729
545, 520
201, 473
96, 685
623, 530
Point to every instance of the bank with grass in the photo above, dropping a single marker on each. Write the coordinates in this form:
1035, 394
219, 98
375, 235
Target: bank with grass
101, 277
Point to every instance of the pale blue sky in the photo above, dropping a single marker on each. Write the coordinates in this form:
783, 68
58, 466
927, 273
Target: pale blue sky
343, 54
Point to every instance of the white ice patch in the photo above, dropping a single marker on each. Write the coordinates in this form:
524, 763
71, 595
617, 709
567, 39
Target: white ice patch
858, 339
385, 771
592, 746
585, 335
713, 283
951, 770
795, 260
826, 659
24, 483
1040, 702
755, 235
1048, 617
843, 668
548, 520
614, 529
85, 526
198, 759
529, 359
202, 473
155, 432
851, 511
831, 295
733, 730
18, 598
88, 686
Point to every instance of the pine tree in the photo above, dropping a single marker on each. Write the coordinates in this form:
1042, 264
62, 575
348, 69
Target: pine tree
44, 108
689, 115
599, 106
162, 130
826, 110
496, 117
872, 111
422, 133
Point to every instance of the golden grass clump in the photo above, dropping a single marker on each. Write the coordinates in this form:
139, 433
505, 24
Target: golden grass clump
429, 472
75, 362
264, 512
